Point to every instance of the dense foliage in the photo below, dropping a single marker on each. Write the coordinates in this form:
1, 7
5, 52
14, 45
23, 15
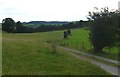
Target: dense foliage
23, 29
104, 28
8, 25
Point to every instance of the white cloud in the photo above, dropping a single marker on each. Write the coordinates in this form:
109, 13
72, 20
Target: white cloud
49, 10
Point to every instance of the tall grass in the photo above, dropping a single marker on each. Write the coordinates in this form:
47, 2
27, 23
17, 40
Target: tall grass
28, 54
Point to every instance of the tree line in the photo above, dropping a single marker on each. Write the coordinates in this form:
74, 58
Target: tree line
10, 26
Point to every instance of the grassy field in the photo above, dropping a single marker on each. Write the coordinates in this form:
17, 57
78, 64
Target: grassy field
28, 54
79, 40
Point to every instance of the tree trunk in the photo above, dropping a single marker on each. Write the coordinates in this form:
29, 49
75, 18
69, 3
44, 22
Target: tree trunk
97, 49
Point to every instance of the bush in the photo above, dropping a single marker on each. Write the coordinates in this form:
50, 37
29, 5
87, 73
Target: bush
103, 29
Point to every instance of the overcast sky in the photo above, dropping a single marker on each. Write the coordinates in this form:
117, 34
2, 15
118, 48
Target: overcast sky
51, 10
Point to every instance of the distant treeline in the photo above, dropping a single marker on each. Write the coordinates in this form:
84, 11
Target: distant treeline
10, 26
51, 27
46, 22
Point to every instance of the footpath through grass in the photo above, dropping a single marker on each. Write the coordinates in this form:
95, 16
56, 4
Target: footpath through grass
28, 54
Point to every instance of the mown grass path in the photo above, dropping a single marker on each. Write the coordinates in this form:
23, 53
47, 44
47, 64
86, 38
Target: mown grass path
111, 69
98, 57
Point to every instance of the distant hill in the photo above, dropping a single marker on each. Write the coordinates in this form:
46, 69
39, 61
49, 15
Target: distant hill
46, 22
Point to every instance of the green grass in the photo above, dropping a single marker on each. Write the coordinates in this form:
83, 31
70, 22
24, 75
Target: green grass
79, 40
28, 54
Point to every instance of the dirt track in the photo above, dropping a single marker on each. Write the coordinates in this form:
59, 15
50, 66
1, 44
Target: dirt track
108, 68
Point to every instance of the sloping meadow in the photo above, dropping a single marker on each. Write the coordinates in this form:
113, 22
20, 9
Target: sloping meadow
29, 54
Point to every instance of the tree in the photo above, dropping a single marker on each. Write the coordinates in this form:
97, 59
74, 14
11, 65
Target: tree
19, 27
65, 34
103, 28
69, 32
118, 30
8, 25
